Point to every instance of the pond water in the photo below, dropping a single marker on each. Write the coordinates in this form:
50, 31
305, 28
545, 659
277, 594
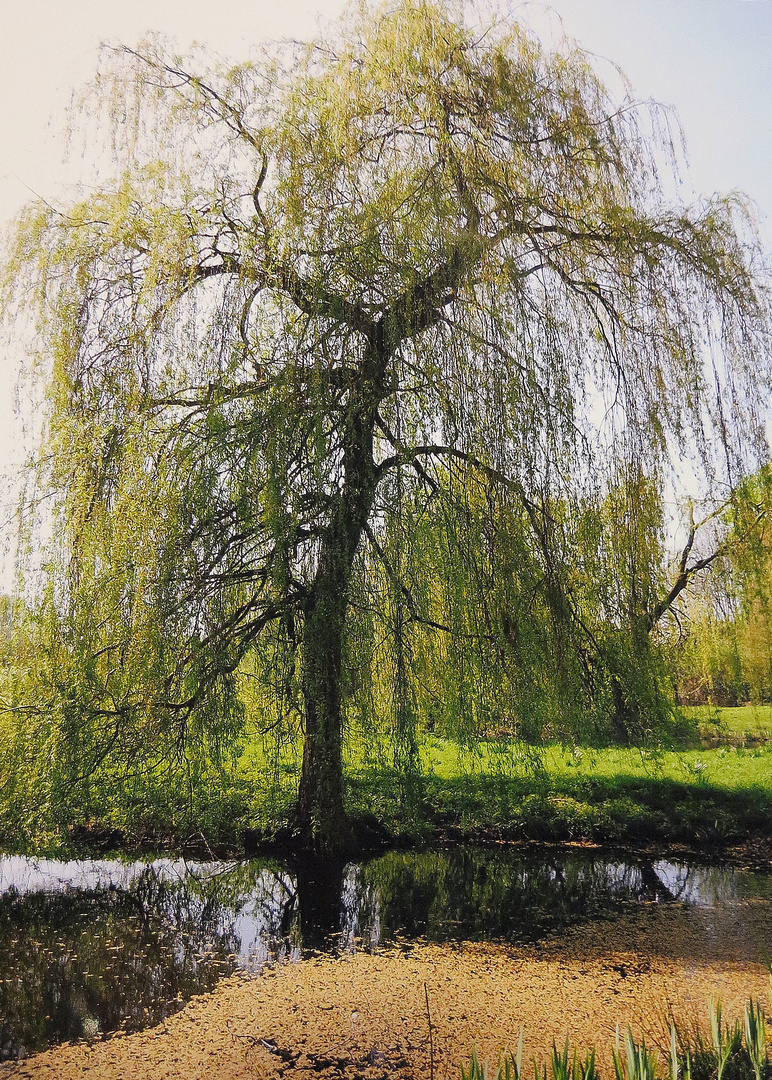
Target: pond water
94, 946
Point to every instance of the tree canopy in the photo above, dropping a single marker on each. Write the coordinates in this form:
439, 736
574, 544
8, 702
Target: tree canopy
411, 296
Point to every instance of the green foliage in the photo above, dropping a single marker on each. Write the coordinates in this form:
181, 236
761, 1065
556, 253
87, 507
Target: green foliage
366, 371
755, 1029
475, 1071
564, 1067
508, 1068
726, 1042
725, 654
638, 1062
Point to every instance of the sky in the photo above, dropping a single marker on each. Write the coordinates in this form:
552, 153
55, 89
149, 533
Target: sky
709, 59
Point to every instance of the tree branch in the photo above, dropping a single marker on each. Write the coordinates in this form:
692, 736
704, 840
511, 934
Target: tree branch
686, 572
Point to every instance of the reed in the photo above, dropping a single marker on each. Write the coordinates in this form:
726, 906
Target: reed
734, 1052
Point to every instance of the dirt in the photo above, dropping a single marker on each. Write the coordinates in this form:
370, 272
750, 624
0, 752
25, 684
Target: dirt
366, 1015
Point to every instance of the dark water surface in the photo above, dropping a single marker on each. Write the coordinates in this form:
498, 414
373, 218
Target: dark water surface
92, 946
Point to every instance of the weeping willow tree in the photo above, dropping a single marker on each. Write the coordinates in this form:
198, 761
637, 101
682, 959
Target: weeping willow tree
724, 653
321, 287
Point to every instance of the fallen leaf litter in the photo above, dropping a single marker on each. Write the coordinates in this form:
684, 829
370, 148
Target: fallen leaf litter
365, 1015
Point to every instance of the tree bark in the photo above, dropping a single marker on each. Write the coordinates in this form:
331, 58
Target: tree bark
321, 814
324, 828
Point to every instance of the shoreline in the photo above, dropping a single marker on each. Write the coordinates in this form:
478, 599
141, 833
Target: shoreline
365, 1015
753, 852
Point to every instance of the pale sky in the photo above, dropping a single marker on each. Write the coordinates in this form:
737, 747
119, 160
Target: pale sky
710, 59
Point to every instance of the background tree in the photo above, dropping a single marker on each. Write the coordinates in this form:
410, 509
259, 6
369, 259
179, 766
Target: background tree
322, 285
724, 649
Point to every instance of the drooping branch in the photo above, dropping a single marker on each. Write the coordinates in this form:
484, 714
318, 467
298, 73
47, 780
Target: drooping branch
220, 108
408, 456
400, 585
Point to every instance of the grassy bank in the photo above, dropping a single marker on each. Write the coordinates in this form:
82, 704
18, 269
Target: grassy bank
717, 793
739, 725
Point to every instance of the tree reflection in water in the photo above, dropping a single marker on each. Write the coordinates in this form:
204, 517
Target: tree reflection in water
83, 960
482, 895
99, 946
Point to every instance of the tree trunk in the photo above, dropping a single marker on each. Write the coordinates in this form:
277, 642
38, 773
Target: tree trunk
626, 721
324, 828
322, 818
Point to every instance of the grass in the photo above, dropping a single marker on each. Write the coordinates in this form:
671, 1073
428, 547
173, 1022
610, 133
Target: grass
502, 789
499, 788
494, 789
626, 805
739, 724
727, 767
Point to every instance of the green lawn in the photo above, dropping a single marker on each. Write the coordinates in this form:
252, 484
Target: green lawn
698, 796
495, 789
754, 721
728, 767
501, 788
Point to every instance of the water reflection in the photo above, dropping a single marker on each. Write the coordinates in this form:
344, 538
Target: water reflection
93, 946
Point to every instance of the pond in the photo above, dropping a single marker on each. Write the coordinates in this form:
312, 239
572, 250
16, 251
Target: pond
94, 946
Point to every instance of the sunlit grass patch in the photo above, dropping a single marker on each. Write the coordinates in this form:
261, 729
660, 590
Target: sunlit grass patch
612, 794
737, 723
